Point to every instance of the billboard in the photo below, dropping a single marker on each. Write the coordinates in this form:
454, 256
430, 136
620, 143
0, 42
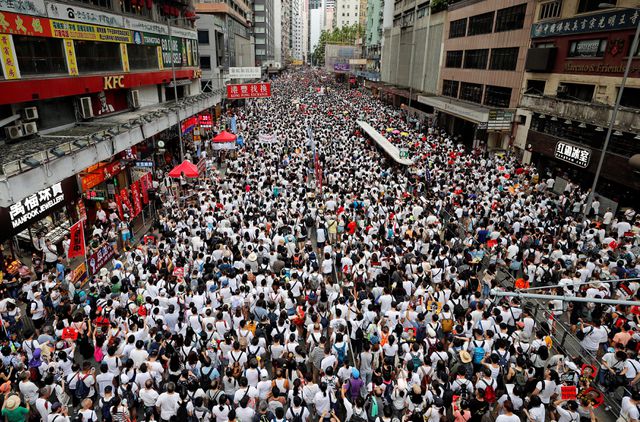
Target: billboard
259, 90
245, 72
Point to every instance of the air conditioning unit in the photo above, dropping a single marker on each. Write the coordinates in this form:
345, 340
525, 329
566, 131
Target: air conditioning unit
30, 113
14, 132
562, 89
30, 128
86, 108
135, 98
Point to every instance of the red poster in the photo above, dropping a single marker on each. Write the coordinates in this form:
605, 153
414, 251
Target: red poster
144, 188
126, 202
259, 90
569, 392
135, 195
77, 240
34, 26
119, 204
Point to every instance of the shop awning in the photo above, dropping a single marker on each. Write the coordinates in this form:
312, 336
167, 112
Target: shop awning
475, 114
390, 149
187, 167
224, 136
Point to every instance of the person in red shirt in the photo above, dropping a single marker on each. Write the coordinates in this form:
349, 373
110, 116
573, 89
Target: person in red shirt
352, 226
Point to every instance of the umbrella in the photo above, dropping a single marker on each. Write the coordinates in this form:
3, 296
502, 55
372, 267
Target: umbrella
224, 136
404, 133
396, 131
187, 167
390, 129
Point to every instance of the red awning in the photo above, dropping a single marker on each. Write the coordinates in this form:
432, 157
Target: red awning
224, 136
188, 168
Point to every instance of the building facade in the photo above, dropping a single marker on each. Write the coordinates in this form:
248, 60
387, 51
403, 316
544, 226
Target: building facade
285, 23
373, 27
329, 15
348, 13
211, 32
88, 94
484, 48
316, 23
297, 9
574, 68
263, 30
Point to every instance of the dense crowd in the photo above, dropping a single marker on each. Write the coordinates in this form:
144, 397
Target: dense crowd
266, 297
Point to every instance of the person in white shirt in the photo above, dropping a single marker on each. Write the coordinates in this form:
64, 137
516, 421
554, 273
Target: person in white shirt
594, 335
167, 403
567, 410
629, 411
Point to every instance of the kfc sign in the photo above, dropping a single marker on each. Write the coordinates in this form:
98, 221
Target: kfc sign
259, 90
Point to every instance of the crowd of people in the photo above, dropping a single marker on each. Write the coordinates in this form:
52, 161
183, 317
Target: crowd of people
366, 294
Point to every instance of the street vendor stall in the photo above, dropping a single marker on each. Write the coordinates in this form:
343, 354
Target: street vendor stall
224, 141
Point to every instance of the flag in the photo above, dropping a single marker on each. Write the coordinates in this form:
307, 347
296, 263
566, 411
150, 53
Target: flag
234, 124
76, 247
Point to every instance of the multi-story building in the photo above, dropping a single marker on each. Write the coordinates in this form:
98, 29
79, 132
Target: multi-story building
413, 34
363, 12
484, 49
211, 32
347, 13
263, 29
373, 33
285, 21
329, 15
277, 32
574, 69
296, 30
87, 94
237, 46
316, 23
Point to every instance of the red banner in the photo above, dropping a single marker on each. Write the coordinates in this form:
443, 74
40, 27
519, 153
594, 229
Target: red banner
34, 26
135, 195
119, 204
126, 202
260, 90
77, 240
144, 186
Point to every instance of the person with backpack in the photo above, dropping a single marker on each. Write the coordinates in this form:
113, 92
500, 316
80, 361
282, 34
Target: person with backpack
353, 386
297, 411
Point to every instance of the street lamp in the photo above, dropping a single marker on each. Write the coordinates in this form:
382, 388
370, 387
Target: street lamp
614, 114
173, 81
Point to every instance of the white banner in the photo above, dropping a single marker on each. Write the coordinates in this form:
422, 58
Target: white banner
80, 14
27, 7
263, 137
245, 72
223, 145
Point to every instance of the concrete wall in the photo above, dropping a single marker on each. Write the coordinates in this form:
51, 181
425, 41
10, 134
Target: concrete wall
396, 54
148, 95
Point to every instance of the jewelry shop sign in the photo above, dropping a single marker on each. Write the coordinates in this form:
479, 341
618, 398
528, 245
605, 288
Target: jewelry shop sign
573, 154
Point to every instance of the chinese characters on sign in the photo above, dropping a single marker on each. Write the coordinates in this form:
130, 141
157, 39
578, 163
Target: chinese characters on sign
8, 56
573, 154
259, 90
244, 72
76, 248
610, 21
11, 23
100, 258
29, 7
500, 119
35, 204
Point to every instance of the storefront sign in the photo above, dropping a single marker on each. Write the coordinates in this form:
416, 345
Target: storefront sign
11, 23
205, 121
571, 67
110, 101
573, 154
148, 163
188, 124
145, 26
95, 195
29, 7
602, 22
260, 90
79, 274
62, 29
500, 119
36, 204
245, 72
358, 62
341, 67
83, 15
113, 82
8, 56
100, 258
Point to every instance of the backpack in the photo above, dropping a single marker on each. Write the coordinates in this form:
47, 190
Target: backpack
106, 410
520, 378
82, 390
489, 393
447, 325
581, 334
182, 414
458, 309
478, 353
417, 363
342, 352
502, 360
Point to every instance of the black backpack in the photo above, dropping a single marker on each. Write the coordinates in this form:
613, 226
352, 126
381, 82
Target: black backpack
182, 414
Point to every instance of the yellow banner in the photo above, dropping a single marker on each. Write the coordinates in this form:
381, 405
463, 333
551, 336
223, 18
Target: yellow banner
8, 55
160, 61
70, 52
125, 57
83, 31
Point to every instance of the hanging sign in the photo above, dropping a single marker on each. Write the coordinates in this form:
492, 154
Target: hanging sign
573, 154
259, 90
99, 258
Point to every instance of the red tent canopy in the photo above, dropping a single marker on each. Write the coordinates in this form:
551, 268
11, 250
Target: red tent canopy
224, 136
188, 168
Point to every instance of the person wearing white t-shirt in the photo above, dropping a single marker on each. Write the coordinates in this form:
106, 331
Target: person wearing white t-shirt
168, 402
548, 387
508, 415
594, 335
567, 410
629, 411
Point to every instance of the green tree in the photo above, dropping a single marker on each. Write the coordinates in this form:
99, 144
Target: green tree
347, 35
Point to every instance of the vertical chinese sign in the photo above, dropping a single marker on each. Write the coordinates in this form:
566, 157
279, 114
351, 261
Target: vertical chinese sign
77, 240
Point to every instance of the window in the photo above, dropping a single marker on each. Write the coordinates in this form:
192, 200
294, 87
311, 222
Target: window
579, 92
203, 36
454, 58
504, 58
592, 5
38, 55
259, 30
511, 18
260, 51
535, 87
550, 9
458, 28
450, 88
481, 24
630, 98
142, 57
95, 56
258, 7
261, 40
259, 19
205, 62
497, 96
587, 48
471, 92
476, 59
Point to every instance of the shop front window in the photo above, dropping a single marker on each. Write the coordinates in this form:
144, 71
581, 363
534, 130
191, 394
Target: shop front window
95, 56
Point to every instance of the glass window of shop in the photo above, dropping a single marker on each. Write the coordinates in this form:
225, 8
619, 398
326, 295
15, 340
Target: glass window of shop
39, 55
476, 59
497, 96
471, 92
142, 57
450, 88
93, 56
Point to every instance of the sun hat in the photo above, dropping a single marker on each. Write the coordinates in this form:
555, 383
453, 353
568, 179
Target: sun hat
465, 357
12, 402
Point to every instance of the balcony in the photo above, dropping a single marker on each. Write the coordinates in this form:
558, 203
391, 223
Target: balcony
628, 120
